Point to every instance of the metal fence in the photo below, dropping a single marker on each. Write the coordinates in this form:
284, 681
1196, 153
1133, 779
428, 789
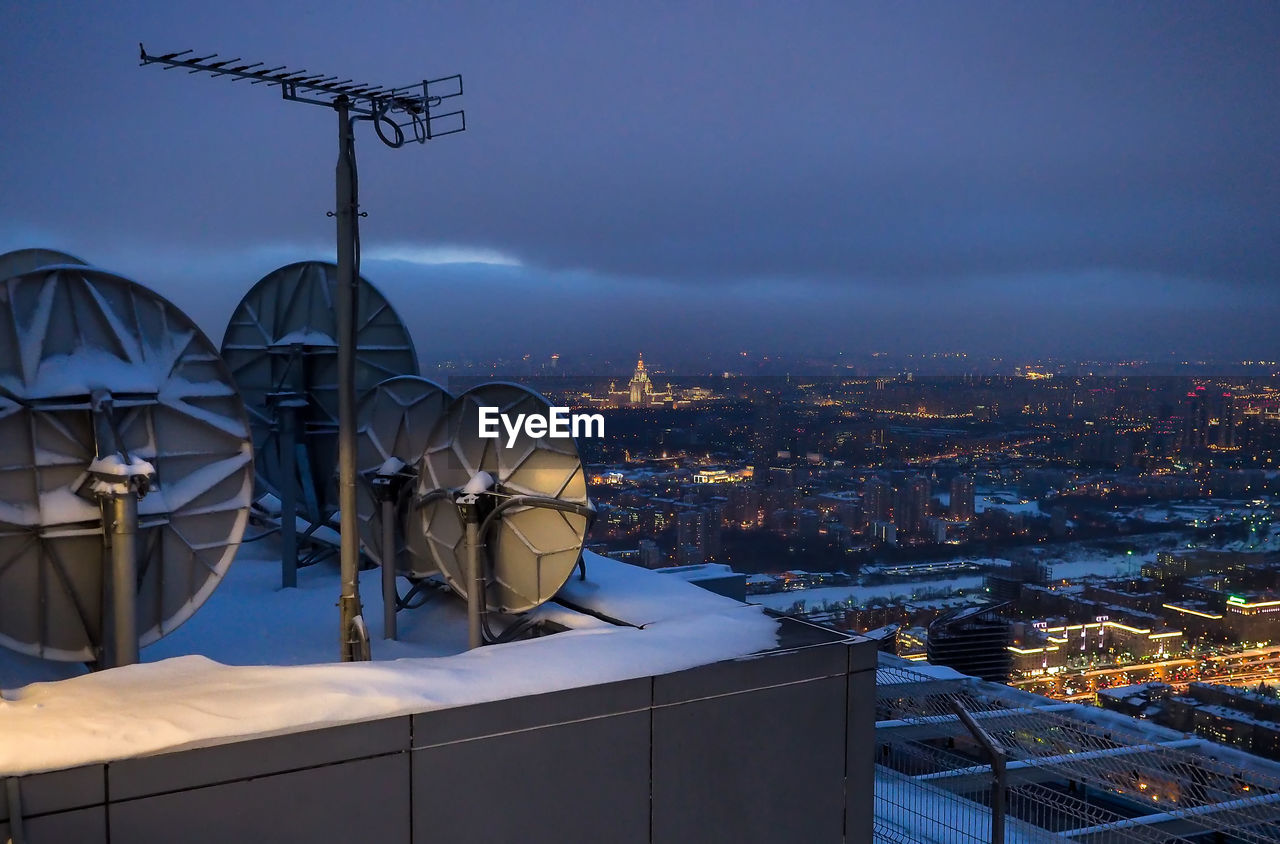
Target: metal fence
1068, 773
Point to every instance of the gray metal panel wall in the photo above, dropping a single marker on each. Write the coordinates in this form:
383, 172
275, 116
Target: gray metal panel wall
752, 750
860, 737
771, 747
80, 825
583, 781
556, 767
367, 800
58, 791
240, 760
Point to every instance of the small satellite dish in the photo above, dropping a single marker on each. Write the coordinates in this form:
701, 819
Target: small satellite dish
25, 260
111, 396
395, 419
535, 514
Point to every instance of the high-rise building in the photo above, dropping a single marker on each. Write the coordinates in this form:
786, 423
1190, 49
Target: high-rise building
1058, 522
744, 504
651, 556
935, 530
712, 530
764, 439
882, 531
876, 501
1195, 420
973, 641
689, 537
961, 506
911, 504
783, 477
1228, 422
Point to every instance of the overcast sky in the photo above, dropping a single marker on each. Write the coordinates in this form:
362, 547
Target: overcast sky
688, 178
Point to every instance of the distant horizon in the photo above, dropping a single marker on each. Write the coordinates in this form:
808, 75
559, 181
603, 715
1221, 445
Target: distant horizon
1086, 181
484, 312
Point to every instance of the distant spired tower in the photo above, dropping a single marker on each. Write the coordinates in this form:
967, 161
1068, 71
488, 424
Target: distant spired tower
641, 386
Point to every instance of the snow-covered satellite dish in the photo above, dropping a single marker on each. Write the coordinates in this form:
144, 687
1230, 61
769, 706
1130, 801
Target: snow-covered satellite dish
281, 345
25, 260
107, 392
395, 419
530, 548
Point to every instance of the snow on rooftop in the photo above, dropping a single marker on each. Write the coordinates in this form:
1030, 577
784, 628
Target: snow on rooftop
889, 675
1120, 692
701, 571
639, 596
305, 337
1005, 500
195, 695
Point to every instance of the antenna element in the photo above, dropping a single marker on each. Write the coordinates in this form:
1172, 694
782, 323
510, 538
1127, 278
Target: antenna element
411, 108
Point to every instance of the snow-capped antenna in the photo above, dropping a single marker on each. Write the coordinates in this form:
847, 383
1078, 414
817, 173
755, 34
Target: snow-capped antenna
411, 111
281, 344
25, 260
128, 473
396, 418
504, 524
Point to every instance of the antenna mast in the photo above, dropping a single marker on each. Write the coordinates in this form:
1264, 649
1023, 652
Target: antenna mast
411, 112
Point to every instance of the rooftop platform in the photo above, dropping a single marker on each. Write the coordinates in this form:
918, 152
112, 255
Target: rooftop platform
239, 667
662, 712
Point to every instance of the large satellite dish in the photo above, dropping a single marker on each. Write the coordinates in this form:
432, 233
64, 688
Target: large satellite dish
537, 511
282, 340
112, 402
25, 260
281, 345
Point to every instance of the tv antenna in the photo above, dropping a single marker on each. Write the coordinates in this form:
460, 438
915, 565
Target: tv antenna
398, 114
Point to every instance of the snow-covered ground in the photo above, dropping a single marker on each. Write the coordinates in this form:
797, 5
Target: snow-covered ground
252, 662
857, 596
1071, 563
996, 499
1005, 499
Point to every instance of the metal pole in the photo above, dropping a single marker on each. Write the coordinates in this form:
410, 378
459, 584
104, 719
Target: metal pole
998, 789
349, 602
13, 794
999, 781
475, 575
288, 416
124, 578
389, 568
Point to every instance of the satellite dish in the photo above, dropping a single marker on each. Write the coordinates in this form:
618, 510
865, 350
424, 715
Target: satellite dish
537, 512
282, 349
25, 260
395, 419
110, 396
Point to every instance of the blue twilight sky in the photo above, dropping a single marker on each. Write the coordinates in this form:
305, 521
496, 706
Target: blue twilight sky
688, 178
